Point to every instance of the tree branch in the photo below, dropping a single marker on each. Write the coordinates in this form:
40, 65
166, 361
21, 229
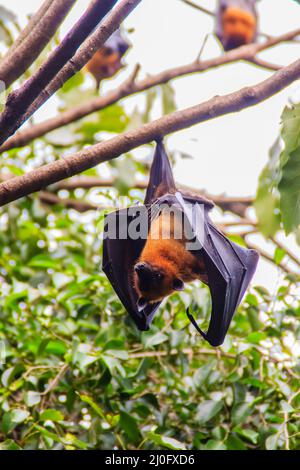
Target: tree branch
86, 52
20, 100
33, 39
198, 7
268, 257
130, 87
34, 20
35, 180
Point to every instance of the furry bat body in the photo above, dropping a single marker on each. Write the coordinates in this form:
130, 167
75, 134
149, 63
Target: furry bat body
107, 61
236, 23
165, 264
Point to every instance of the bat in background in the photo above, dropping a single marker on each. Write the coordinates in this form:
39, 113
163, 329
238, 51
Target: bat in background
236, 23
146, 268
107, 61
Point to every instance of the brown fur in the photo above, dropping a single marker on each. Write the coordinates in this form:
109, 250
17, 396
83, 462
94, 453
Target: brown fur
166, 254
104, 64
238, 26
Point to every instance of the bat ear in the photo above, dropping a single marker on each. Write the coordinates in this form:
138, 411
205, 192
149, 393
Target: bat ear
141, 303
178, 284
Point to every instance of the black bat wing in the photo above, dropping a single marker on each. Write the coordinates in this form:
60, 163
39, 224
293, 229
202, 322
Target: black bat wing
161, 180
229, 267
118, 43
121, 250
120, 253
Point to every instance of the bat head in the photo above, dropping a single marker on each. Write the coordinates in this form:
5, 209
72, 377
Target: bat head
153, 283
107, 61
238, 27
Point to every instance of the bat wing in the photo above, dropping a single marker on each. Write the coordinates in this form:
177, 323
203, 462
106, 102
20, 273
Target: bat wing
229, 267
121, 246
120, 253
118, 43
161, 180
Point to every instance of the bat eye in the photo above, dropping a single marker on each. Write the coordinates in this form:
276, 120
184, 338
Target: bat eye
107, 51
159, 276
178, 284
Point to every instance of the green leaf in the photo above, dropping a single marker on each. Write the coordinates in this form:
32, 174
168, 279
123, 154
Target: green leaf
42, 261
9, 444
235, 443
272, 442
155, 339
208, 410
165, 441
168, 98
18, 415
12, 418
289, 188
256, 337
129, 425
214, 444
267, 201
51, 415
94, 405
32, 398
249, 434
240, 412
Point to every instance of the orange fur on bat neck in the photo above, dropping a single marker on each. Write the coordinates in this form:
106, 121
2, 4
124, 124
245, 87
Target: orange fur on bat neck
168, 255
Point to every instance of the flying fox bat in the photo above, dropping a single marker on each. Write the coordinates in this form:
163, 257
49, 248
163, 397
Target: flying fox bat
143, 266
107, 61
236, 23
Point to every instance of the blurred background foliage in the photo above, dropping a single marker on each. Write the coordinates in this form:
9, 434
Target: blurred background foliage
75, 372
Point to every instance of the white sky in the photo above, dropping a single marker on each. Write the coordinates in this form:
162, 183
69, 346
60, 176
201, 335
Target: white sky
229, 152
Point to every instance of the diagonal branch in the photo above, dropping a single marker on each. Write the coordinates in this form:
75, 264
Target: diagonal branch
199, 7
86, 52
35, 180
34, 20
130, 87
20, 100
33, 39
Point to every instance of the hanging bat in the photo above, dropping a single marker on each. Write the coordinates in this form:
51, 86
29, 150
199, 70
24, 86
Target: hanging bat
236, 23
107, 61
144, 266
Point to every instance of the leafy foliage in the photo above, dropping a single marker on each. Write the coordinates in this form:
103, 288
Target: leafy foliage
75, 373
78, 375
278, 196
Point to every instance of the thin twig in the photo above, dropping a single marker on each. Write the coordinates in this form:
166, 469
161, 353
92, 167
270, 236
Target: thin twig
202, 48
286, 250
199, 7
268, 257
175, 352
56, 380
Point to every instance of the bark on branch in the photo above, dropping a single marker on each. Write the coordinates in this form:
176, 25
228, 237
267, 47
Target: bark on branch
218, 106
34, 39
199, 7
86, 52
20, 100
130, 87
